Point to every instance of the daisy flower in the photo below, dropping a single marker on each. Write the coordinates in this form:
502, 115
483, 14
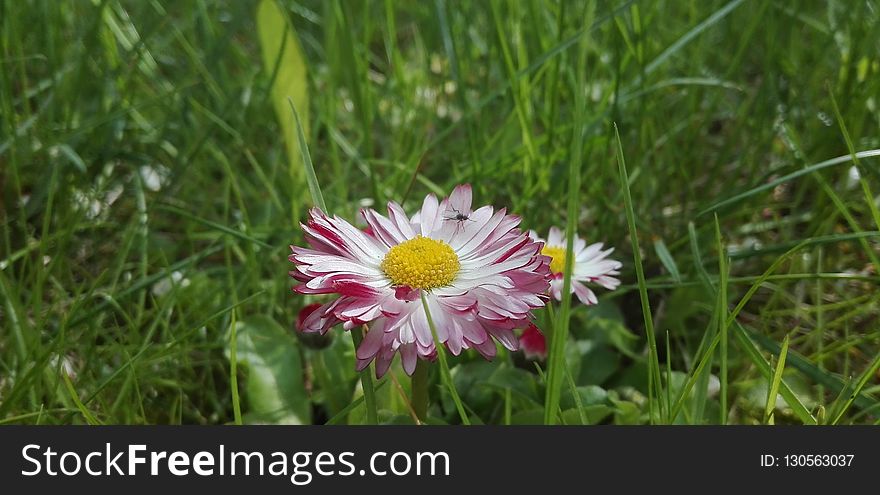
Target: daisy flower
304, 313
310, 340
590, 265
533, 343
480, 275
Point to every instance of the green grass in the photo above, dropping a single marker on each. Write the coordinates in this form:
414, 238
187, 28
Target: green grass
152, 178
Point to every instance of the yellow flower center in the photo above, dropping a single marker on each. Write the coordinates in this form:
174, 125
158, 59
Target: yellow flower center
421, 263
557, 263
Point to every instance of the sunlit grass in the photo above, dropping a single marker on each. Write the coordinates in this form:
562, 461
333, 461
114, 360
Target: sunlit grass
150, 187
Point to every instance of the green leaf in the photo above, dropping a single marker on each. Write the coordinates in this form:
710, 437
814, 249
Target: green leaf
335, 375
598, 364
518, 381
274, 390
283, 58
590, 395
528, 417
471, 378
626, 413
594, 414
616, 334
667, 260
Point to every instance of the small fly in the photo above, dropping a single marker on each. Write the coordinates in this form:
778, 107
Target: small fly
456, 216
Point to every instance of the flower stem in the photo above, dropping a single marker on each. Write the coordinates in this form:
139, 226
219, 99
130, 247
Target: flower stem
366, 382
444, 366
420, 390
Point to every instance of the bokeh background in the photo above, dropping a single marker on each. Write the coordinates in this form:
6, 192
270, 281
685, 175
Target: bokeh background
151, 183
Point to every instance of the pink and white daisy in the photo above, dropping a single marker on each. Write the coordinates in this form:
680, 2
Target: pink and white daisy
481, 277
533, 343
590, 265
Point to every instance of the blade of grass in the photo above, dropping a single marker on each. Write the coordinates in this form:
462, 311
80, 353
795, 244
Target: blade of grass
318, 199
559, 338
444, 365
702, 391
233, 370
731, 320
863, 400
766, 186
366, 381
215, 225
773, 389
668, 372
723, 271
518, 99
538, 63
866, 188
690, 35
311, 178
653, 359
787, 393
578, 402
142, 283
90, 418
341, 415
860, 384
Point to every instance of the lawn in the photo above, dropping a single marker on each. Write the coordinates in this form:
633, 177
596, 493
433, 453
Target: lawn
153, 179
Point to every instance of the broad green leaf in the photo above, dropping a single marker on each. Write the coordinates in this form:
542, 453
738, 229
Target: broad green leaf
598, 365
283, 59
594, 414
471, 378
528, 417
274, 388
520, 382
627, 413
605, 324
592, 398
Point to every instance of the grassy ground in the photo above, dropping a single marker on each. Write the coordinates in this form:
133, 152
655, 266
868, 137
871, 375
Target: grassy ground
151, 184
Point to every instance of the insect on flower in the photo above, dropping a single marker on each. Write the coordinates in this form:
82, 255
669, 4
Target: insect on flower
453, 214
